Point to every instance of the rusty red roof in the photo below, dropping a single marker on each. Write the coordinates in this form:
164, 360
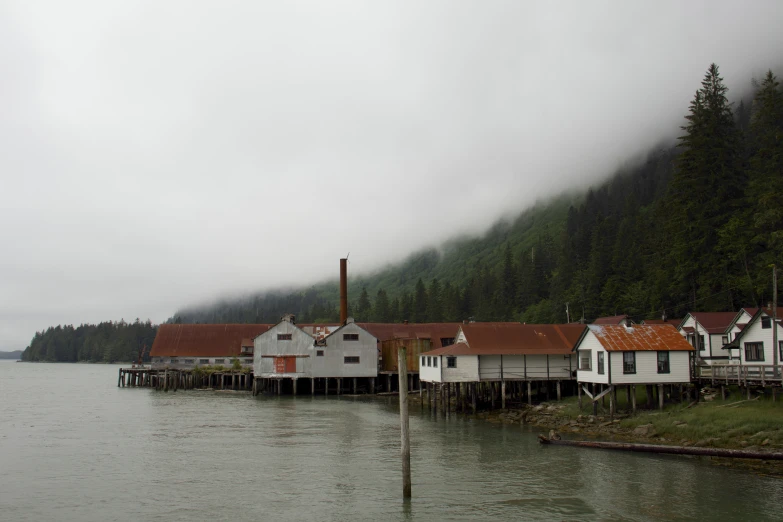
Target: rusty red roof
637, 338
433, 331
714, 322
203, 340
515, 339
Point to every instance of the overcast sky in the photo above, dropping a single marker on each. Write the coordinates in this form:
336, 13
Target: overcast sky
158, 154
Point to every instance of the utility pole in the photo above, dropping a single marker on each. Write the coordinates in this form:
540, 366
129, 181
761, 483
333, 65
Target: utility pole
775, 347
568, 315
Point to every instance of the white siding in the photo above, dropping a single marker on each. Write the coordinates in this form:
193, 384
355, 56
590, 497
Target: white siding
590, 342
466, 371
755, 333
430, 373
647, 368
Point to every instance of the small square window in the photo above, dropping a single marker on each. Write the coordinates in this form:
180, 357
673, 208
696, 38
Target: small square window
319, 353
451, 362
766, 322
350, 337
446, 341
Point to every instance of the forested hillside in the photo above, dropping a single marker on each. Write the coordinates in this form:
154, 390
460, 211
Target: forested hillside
695, 227
104, 342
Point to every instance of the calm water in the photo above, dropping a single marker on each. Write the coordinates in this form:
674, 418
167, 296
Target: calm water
75, 447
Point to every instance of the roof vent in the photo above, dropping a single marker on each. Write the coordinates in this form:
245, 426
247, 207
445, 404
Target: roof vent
289, 318
349, 320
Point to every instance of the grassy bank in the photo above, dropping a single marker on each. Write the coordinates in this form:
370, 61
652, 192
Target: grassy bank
732, 423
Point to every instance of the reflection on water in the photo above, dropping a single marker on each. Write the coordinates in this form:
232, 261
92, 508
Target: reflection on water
75, 447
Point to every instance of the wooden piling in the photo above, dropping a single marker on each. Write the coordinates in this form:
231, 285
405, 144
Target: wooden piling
404, 424
354, 385
558, 391
529, 394
579, 393
661, 396
633, 399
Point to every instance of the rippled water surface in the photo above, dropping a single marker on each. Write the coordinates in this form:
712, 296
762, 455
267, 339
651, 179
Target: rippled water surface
73, 446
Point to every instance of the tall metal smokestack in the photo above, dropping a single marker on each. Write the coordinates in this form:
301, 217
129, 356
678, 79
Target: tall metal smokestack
343, 290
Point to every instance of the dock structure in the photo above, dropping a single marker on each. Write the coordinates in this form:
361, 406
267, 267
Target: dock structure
497, 364
184, 379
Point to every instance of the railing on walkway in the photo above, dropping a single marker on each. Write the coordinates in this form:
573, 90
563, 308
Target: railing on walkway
741, 373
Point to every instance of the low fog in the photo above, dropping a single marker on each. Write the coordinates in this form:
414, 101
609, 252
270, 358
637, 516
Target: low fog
159, 154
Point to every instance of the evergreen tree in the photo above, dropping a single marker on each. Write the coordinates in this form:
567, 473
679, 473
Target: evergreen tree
382, 310
704, 190
363, 308
420, 303
434, 302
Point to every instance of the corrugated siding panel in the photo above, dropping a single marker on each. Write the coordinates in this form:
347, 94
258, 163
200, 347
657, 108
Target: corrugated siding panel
466, 370
332, 363
267, 345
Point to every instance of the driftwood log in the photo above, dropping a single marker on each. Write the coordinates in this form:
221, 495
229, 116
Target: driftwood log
657, 448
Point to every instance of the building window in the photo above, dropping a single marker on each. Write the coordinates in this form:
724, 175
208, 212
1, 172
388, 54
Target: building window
429, 361
780, 349
350, 337
423, 361
351, 359
629, 362
663, 362
219, 361
189, 361
451, 362
446, 341
766, 322
319, 353
203, 361
754, 352
248, 361
434, 362
601, 363
173, 360
725, 340
283, 337
585, 360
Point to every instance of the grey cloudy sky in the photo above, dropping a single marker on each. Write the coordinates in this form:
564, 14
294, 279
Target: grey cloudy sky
156, 154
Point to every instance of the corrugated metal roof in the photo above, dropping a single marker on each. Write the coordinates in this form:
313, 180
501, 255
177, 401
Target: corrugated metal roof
433, 331
203, 340
644, 337
516, 339
714, 322
454, 349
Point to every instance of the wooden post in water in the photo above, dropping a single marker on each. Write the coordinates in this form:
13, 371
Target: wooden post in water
661, 396
354, 385
633, 399
559, 395
579, 393
529, 395
404, 433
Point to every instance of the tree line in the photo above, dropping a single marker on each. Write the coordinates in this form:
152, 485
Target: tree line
105, 342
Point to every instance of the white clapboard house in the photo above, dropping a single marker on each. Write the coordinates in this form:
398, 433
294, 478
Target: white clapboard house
619, 355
